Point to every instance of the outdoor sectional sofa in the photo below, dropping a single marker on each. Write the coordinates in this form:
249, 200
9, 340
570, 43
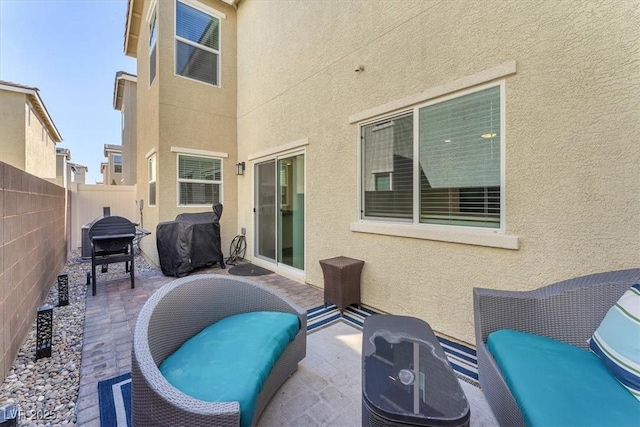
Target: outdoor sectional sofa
542, 372
177, 312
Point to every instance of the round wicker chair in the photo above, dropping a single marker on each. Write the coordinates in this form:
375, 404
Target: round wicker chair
177, 312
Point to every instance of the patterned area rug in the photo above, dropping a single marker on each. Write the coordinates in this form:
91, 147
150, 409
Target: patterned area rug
462, 358
327, 382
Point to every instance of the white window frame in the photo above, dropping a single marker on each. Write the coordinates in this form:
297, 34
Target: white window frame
198, 181
152, 165
415, 222
209, 11
152, 19
117, 163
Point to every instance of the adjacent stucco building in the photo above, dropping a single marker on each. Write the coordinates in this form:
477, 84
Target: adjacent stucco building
112, 169
28, 135
447, 144
124, 100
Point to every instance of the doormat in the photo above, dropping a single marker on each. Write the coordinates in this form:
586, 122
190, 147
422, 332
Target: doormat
248, 269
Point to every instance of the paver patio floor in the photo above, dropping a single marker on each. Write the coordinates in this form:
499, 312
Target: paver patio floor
110, 320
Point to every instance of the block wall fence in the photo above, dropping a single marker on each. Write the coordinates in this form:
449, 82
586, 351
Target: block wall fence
33, 250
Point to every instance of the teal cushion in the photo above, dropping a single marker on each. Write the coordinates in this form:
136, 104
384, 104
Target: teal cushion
555, 383
617, 340
231, 359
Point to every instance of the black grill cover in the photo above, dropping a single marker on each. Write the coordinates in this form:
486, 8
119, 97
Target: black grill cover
189, 242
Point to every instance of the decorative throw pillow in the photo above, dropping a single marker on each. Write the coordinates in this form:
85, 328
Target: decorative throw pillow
617, 340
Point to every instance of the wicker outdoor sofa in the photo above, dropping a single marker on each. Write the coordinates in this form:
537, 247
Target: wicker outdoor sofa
568, 311
177, 312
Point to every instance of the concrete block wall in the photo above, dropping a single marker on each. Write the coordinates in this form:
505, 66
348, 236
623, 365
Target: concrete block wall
32, 252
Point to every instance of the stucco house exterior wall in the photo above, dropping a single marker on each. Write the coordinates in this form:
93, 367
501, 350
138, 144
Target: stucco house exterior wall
124, 100
182, 117
569, 148
28, 136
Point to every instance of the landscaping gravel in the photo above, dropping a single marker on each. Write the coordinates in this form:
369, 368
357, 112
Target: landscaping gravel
45, 391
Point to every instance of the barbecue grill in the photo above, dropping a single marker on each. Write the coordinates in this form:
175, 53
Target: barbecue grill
112, 241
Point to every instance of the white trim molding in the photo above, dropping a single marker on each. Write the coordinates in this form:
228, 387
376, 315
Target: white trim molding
198, 152
150, 153
485, 76
279, 149
444, 234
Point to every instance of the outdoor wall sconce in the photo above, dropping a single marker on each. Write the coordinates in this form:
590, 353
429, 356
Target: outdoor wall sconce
44, 331
63, 290
240, 168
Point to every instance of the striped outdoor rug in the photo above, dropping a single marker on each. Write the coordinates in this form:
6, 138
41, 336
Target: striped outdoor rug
462, 358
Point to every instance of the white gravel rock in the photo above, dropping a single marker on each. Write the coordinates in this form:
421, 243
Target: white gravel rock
44, 389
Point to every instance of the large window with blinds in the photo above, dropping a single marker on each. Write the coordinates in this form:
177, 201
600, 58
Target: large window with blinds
197, 54
199, 180
447, 171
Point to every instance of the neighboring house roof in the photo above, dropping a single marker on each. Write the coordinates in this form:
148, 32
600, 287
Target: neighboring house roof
64, 152
33, 94
132, 26
112, 148
118, 87
76, 166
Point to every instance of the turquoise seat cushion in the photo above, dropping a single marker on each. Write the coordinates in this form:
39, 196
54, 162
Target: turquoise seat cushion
555, 383
231, 359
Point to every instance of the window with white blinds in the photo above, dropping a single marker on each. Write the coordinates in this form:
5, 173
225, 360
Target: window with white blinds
151, 169
197, 44
387, 153
153, 35
456, 179
199, 180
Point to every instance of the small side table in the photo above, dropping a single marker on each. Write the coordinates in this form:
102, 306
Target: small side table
341, 281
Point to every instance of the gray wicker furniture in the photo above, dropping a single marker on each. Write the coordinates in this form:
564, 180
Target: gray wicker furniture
177, 312
568, 311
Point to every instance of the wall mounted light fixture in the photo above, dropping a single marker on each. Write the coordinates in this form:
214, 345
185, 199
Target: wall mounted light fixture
240, 168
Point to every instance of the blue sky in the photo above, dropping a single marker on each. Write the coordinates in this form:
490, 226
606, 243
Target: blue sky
71, 51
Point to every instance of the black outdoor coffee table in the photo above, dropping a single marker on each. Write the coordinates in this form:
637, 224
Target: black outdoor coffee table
406, 377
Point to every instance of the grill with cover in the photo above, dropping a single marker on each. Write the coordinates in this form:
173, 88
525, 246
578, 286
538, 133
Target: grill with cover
191, 241
112, 241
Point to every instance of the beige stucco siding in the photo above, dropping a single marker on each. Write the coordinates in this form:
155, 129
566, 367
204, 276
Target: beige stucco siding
12, 128
129, 149
187, 114
572, 126
40, 150
147, 135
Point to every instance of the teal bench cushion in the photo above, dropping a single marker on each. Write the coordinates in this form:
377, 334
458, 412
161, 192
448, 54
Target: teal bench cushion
555, 383
231, 359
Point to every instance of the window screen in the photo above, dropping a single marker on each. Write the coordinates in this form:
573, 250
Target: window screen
388, 168
199, 180
460, 160
197, 44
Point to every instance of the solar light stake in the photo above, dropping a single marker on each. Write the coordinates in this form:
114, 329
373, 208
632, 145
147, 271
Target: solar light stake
63, 290
44, 331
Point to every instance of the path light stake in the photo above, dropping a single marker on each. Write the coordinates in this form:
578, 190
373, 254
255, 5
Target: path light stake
44, 331
63, 290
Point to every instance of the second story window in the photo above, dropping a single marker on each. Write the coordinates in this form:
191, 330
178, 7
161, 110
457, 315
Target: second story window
117, 164
197, 44
153, 35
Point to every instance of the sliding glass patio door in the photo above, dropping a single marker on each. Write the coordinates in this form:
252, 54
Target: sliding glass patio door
279, 214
